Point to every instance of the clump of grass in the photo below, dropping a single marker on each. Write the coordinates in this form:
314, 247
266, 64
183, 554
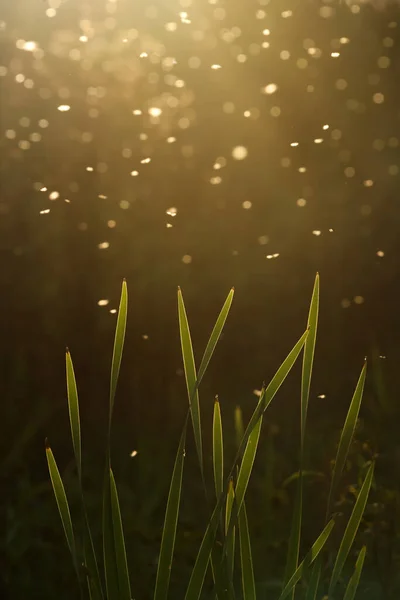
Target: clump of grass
228, 516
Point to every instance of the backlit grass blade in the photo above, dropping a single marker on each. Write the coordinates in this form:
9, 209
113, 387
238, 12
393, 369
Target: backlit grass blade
351, 529
218, 453
248, 584
247, 464
203, 557
62, 503
93, 575
309, 559
230, 549
346, 437
190, 376
308, 356
355, 578
313, 584
268, 393
308, 359
118, 345
73, 407
215, 335
170, 524
120, 552
109, 555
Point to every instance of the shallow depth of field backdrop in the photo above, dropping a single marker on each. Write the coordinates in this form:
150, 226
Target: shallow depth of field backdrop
200, 143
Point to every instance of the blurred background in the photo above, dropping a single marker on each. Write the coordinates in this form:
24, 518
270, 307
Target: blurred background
205, 144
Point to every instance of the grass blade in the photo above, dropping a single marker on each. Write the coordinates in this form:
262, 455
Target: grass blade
120, 552
62, 503
190, 376
215, 335
73, 407
203, 557
355, 578
308, 359
109, 556
93, 575
218, 453
170, 523
267, 394
309, 559
118, 345
313, 584
248, 584
308, 356
230, 549
346, 436
351, 529
247, 465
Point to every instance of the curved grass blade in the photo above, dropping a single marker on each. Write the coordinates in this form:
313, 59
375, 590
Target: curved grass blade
109, 556
218, 452
355, 578
351, 529
62, 503
120, 552
190, 376
73, 407
93, 575
268, 393
346, 436
313, 584
308, 356
248, 584
203, 557
309, 559
170, 523
308, 359
230, 548
215, 335
118, 345
247, 465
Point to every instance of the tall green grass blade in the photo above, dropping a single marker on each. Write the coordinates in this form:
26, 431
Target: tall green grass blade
203, 557
118, 345
215, 335
218, 452
308, 357
119, 541
267, 394
170, 524
309, 559
248, 584
351, 529
313, 584
62, 504
230, 548
109, 555
346, 436
247, 464
73, 407
355, 578
191, 377
93, 575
